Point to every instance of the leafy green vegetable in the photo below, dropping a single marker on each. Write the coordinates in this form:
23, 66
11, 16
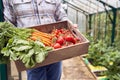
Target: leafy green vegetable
40, 56
7, 31
21, 48
15, 46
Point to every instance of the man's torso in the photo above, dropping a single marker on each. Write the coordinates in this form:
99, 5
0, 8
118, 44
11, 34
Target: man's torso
34, 12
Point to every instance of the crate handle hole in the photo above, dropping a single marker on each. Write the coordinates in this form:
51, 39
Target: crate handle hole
74, 33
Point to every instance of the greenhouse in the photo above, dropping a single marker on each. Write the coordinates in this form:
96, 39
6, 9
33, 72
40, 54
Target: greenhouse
92, 51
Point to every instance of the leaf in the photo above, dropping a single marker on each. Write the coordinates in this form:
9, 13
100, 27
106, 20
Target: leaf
5, 51
48, 48
27, 64
40, 57
31, 63
40, 44
13, 56
21, 56
2, 41
30, 53
25, 59
21, 48
20, 41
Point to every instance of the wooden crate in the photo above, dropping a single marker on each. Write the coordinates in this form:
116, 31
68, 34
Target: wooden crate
61, 53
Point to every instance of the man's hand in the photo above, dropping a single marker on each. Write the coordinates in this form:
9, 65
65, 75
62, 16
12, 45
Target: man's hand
74, 25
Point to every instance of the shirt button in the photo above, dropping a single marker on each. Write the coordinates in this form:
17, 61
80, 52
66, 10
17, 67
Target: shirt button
41, 17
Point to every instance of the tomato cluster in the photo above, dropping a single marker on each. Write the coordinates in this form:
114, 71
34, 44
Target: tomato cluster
62, 37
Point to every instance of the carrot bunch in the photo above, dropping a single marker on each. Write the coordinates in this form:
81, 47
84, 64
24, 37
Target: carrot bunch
41, 36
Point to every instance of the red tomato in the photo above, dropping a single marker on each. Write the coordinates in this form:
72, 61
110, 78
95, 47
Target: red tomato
60, 40
61, 30
77, 39
70, 39
56, 31
56, 45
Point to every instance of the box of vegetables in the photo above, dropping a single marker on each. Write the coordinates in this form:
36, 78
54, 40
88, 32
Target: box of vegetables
40, 45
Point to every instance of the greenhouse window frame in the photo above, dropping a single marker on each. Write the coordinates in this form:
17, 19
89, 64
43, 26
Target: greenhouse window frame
113, 21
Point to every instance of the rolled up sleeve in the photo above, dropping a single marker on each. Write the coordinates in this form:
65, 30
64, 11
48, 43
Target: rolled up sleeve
9, 12
60, 13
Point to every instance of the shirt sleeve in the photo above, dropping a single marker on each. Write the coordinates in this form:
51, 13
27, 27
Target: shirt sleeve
8, 12
60, 13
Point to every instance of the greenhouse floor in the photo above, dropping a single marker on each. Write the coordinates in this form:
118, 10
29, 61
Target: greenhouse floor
73, 69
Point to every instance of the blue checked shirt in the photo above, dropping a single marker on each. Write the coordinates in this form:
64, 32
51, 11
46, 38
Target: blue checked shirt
25, 13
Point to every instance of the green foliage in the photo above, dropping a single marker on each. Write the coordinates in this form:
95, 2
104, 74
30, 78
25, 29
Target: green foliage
15, 46
101, 51
7, 31
102, 54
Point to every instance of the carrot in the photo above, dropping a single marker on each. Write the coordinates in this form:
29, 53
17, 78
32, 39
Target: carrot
45, 41
49, 42
33, 38
42, 34
41, 37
